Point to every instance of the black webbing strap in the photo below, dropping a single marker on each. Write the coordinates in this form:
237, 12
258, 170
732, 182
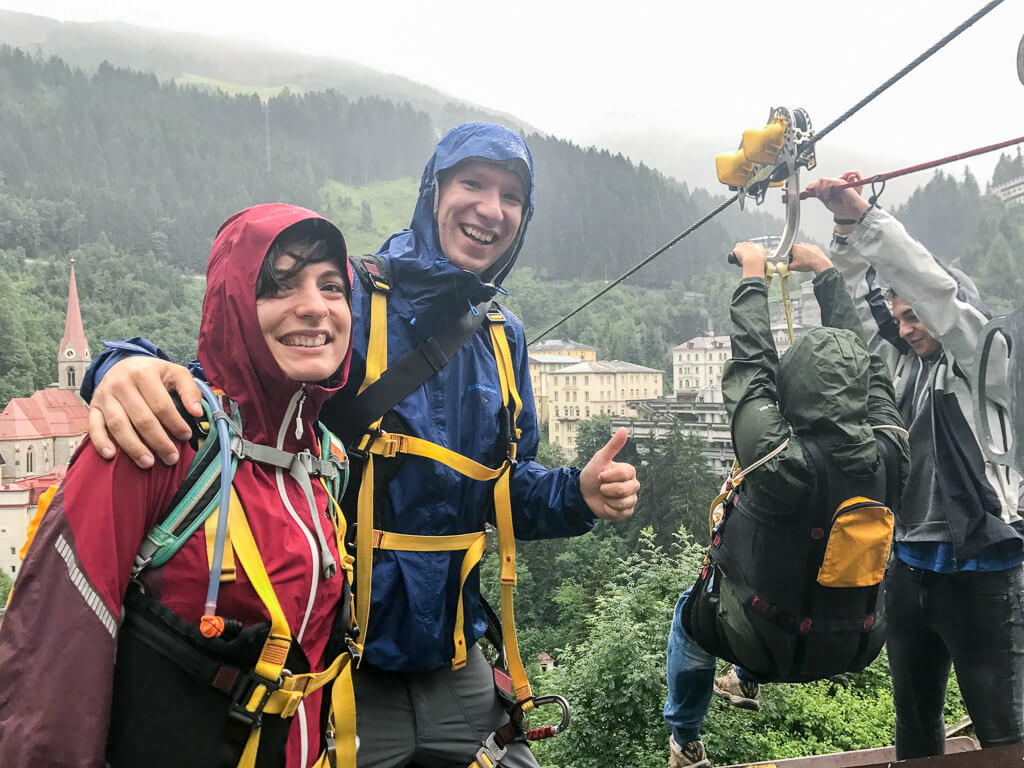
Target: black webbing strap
404, 377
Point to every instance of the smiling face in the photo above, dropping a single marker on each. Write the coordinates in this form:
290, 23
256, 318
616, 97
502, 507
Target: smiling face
305, 316
479, 210
912, 330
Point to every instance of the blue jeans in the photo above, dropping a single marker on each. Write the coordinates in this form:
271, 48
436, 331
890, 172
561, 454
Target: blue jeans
691, 680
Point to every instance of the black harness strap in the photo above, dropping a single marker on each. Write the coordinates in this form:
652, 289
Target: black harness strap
404, 377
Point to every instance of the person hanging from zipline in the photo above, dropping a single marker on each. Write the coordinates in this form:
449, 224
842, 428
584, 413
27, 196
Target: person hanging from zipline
791, 587
955, 590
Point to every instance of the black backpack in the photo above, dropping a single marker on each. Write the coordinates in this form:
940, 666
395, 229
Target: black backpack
798, 596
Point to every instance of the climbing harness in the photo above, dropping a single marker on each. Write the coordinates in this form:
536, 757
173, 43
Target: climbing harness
496, 745
375, 443
220, 652
812, 142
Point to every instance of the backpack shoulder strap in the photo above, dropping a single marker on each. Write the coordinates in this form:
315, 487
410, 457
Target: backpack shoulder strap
373, 272
194, 500
404, 377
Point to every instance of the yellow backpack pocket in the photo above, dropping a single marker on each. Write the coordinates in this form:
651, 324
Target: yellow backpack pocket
858, 544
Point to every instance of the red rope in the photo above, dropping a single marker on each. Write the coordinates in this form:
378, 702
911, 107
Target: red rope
924, 166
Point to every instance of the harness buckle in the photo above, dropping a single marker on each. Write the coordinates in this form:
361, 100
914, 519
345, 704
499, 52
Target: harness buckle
294, 696
353, 647
361, 450
391, 445
242, 697
316, 467
490, 753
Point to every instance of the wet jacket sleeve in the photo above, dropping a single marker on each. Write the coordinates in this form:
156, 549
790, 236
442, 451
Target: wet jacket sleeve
838, 311
57, 642
116, 351
113, 353
879, 329
912, 272
546, 503
750, 391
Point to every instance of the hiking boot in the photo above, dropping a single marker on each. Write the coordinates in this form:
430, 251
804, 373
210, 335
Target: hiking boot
690, 755
738, 692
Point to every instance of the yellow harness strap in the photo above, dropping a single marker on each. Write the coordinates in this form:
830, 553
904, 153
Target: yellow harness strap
782, 270
388, 445
474, 545
284, 701
376, 363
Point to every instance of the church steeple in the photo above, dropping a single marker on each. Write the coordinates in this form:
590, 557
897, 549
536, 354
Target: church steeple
74, 357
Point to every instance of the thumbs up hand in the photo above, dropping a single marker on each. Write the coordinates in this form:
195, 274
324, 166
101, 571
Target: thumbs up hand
609, 487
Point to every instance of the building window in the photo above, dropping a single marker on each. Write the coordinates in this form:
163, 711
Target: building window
30, 460
587, 415
556, 410
586, 396
71, 377
586, 379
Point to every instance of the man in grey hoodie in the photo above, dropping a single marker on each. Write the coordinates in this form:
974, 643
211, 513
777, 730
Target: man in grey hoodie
955, 590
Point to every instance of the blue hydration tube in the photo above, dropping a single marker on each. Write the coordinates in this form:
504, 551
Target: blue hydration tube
219, 421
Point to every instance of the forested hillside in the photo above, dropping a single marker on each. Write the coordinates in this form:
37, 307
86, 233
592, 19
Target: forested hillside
132, 176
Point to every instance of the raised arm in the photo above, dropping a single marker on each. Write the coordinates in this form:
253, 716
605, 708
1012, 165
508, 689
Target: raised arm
750, 389
564, 501
880, 331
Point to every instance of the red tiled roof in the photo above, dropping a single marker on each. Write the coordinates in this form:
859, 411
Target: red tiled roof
53, 477
47, 413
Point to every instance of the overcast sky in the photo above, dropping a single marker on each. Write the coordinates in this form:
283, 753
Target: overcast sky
691, 75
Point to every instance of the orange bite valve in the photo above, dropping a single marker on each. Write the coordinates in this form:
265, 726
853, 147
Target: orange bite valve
211, 626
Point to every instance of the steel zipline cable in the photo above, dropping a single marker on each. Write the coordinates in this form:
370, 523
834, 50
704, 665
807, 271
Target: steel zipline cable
960, 29
707, 217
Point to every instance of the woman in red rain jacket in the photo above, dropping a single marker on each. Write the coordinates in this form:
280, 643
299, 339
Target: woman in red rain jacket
275, 338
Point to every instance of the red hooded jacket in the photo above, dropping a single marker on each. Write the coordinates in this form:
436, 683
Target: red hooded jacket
57, 642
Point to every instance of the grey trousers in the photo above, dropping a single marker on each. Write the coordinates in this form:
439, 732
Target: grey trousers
434, 719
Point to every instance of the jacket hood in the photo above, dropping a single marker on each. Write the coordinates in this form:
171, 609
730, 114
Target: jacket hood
232, 349
428, 279
823, 392
967, 291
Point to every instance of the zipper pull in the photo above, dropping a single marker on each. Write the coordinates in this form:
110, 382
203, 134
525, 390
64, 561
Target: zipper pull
298, 414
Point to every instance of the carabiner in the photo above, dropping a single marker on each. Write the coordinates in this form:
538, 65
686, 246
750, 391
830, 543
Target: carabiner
547, 731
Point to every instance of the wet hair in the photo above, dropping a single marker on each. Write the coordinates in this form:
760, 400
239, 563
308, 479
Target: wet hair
516, 165
308, 242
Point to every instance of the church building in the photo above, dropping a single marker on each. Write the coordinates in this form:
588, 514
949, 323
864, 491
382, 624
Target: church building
39, 434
